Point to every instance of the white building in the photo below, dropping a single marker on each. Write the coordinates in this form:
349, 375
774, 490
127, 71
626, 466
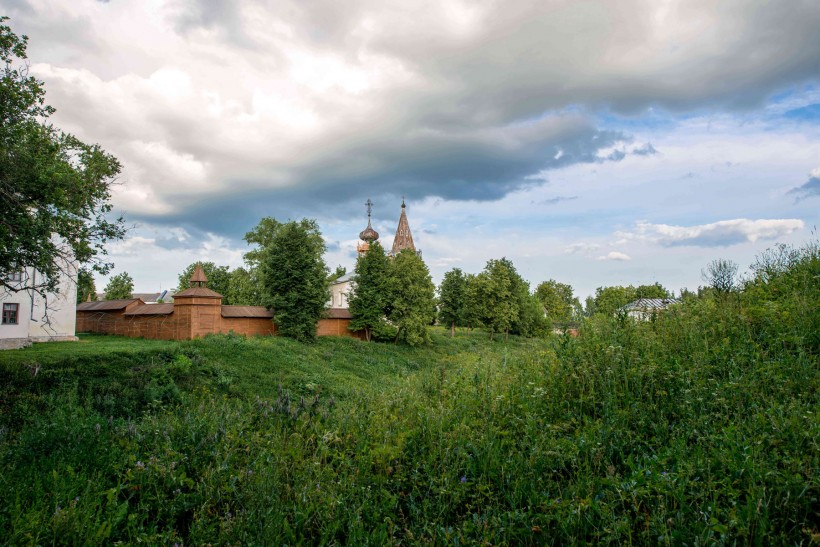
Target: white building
644, 309
30, 317
340, 292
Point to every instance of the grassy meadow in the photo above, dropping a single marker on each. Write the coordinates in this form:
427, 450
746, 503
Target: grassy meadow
699, 427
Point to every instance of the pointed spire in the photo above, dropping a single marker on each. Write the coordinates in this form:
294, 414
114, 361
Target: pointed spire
403, 239
199, 277
88, 298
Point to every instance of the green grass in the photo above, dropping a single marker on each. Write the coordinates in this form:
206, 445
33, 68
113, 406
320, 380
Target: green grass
698, 428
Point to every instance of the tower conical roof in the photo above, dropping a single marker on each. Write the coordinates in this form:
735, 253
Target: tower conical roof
198, 276
403, 239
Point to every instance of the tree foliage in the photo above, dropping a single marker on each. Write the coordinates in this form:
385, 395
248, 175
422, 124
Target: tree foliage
119, 287
560, 304
411, 304
370, 295
293, 274
243, 288
720, 274
453, 300
608, 300
54, 189
85, 286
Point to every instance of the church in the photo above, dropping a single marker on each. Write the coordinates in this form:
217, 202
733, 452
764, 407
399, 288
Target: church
340, 289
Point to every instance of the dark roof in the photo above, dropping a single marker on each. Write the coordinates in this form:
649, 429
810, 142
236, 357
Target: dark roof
146, 296
107, 305
246, 311
202, 292
152, 309
199, 275
338, 313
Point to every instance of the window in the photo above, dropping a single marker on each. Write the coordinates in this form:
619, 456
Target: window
10, 314
16, 276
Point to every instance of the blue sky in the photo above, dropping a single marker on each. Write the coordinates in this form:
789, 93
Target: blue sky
595, 143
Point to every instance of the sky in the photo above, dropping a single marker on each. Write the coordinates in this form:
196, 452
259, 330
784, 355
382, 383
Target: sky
594, 143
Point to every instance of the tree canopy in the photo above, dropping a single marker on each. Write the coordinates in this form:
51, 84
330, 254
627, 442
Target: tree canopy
452, 300
370, 297
55, 190
559, 302
85, 286
412, 298
293, 274
119, 287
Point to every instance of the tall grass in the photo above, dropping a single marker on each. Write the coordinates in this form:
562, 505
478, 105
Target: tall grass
698, 427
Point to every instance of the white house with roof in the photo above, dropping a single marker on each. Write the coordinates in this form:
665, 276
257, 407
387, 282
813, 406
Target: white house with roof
643, 309
28, 316
340, 292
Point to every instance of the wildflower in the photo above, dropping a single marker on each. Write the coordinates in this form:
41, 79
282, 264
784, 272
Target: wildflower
139, 465
463, 479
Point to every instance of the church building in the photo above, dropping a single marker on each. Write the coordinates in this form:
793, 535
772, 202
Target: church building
340, 289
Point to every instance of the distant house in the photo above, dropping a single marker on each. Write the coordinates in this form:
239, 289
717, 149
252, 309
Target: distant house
643, 309
31, 317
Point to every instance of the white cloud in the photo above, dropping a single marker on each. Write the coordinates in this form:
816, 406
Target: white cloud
581, 248
716, 234
615, 255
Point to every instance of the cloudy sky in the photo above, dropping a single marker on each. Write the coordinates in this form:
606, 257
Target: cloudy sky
596, 143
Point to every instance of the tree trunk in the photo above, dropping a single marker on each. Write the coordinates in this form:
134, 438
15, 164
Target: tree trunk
367, 333
452, 329
491, 334
506, 335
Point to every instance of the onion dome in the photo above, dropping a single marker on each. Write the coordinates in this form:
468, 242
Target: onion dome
369, 234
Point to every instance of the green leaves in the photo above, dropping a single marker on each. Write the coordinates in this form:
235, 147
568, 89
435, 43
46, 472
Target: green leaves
55, 189
293, 275
369, 298
412, 298
119, 287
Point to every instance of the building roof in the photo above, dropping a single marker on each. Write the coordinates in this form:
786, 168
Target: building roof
151, 309
199, 276
650, 304
343, 279
201, 292
403, 239
338, 313
246, 311
107, 305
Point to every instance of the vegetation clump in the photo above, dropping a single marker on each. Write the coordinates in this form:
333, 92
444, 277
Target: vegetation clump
697, 427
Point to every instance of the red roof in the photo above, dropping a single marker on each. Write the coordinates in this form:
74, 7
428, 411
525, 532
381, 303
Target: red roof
152, 309
107, 305
246, 311
201, 292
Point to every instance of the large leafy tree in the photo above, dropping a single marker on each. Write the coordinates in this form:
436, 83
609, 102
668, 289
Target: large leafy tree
453, 300
54, 189
119, 287
608, 300
504, 296
243, 288
85, 286
370, 297
293, 274
412, 298
219, 278
476, 300
559, 302
655, 290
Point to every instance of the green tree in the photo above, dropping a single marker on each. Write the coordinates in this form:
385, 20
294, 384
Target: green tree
119, 287
370, 296
261, 236
412, 298
503, 296
656, 290
608, 300
243, 288
293, 274
219, 279
558, 301
54, 189
452, 300
720, 274
85, 286
476, 295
